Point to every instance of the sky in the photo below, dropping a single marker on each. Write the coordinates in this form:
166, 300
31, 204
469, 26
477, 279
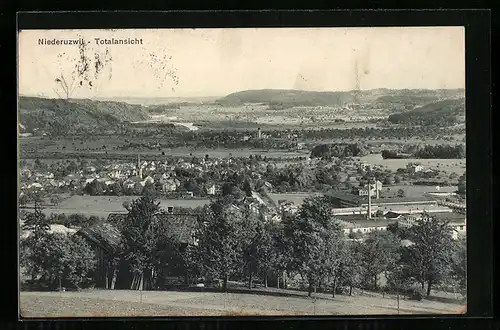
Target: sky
217, 62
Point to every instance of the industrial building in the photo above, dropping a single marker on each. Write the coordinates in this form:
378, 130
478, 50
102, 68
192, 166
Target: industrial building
341, 199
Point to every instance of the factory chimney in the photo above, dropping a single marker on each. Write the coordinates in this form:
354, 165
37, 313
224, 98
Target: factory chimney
139, 167
369, 215
259, 133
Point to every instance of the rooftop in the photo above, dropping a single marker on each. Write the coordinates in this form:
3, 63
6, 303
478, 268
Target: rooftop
364, 199
105, 235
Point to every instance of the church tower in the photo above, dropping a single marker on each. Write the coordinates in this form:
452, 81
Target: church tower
139, 167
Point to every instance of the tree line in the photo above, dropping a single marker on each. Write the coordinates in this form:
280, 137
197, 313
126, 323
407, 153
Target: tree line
231, 242
441, 151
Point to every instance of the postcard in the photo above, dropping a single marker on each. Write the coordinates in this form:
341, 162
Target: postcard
242, 171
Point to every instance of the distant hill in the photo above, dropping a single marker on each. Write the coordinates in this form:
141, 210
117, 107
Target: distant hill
288, 97
446, 112
380, 96
65, 115
162, 100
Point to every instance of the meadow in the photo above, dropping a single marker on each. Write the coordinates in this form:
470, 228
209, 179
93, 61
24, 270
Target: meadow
445, 165
102, 303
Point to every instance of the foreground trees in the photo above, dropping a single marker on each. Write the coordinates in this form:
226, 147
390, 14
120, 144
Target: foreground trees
234, 242
54, 259
429, 257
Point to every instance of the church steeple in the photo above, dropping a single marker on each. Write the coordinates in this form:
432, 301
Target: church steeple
139, 167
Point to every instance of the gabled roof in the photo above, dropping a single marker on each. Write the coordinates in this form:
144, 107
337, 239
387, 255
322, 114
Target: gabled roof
105, 235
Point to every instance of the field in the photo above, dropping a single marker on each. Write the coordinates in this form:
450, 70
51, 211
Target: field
445, 165
276, 302
416, 191
104, 205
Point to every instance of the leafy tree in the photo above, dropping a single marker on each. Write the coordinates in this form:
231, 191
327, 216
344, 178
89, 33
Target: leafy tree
36, 221
95, 188
380, 254
149, 190
59, 258
219, 245
257, 246
430, 256
142, 235
350, 266
462, 185
459, 263
115, 189
312, 233
55, 200
247, 187
23, 200
401, 193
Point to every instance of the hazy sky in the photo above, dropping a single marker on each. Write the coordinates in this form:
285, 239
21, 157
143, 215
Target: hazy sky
216, 62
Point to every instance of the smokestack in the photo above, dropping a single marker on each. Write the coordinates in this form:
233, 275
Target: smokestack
259, 134
369, 202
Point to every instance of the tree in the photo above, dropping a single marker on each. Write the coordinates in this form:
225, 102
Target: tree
95, 188
219, 246
462, 185
350, 266
430, 256
149, 190
247, 187
142, 235
312, 233
58, 259
55, 200
380, 254
115, 189
257, 246
401, 193
23, 200
459, 263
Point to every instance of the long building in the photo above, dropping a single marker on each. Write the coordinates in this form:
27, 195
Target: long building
342, 199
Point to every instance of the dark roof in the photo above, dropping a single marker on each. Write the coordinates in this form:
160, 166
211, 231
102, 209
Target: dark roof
364, 199
116, 219
105, 235
346, 196
452, 217
362, 221
182, 226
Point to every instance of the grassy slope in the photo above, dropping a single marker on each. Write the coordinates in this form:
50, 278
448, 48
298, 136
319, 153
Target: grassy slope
431, 112
45, 113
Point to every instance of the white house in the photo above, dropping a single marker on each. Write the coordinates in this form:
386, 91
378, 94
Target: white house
149, 179
211, 190
414, 168
169, 185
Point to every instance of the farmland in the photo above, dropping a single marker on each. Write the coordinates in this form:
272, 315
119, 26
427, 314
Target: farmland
157, 303
445, 165
104, 205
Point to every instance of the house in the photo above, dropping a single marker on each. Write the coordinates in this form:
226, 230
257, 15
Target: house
414, 168
188, 194
105, 239
375, 190
149, 179
35, 185
211, 190
90, 169
169, 186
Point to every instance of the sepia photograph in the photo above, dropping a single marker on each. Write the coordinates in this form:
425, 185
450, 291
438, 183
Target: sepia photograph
242, 171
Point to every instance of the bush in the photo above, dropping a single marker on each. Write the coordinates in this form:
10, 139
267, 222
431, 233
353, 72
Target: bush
50, 258
416, 295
